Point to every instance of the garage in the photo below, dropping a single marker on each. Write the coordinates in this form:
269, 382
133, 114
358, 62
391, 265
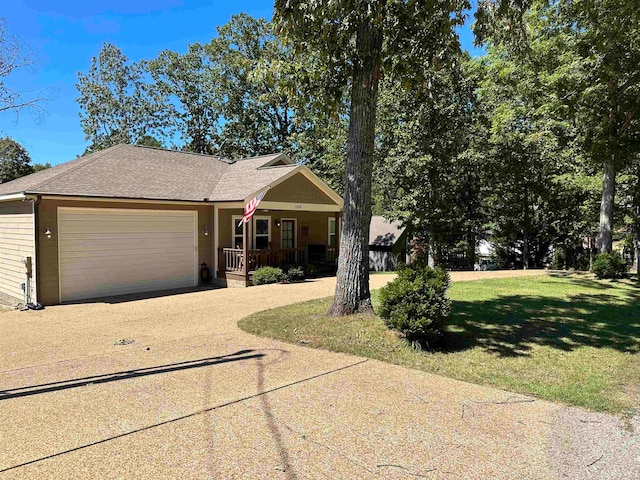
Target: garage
104, 252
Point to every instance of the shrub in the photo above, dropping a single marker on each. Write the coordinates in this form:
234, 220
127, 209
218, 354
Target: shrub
415, 303
310, 271
264, 275
559, 261
609, 265
294, 274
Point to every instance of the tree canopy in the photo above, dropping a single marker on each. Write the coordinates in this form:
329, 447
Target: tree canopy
15, 161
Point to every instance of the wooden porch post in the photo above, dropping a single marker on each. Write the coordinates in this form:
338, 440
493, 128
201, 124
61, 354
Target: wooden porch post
245, 252
337, 216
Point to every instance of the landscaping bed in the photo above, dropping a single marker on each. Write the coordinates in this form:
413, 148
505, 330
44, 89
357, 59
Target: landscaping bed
566, 338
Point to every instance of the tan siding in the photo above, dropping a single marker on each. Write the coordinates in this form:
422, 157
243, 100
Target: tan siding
224, 226
16, 243
49, 274
297, 189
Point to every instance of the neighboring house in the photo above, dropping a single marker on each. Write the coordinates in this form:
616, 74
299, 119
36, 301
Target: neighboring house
137, 219
387, 244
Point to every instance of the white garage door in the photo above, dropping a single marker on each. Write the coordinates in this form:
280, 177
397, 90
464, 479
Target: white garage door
104, 252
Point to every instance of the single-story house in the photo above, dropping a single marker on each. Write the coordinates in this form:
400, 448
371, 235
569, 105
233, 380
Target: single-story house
132, 219
387, 244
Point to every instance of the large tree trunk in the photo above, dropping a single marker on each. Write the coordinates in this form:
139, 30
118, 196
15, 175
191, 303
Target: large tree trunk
352, 287
525, 252
605, 239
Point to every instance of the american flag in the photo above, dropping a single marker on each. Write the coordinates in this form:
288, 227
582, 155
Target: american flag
251, 207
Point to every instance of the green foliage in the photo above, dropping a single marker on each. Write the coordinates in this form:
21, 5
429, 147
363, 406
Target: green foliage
428, 169
414, 33
254, 79
15, 162
567, 103
310, 271
416, 303
559, 261
233, 96
37, 167
264, 275
186, 82
294, 273
149, 141
609, 265
118, 104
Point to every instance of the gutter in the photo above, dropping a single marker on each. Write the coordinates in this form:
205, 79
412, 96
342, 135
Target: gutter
12, 196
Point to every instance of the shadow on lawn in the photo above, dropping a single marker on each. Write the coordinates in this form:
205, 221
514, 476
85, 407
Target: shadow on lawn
510, 324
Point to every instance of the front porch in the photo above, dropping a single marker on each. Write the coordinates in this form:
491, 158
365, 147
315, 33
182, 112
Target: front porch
323, 258
296, 223
275, 238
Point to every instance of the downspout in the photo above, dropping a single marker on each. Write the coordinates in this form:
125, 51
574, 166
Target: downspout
36, 232
35, 202
28, 261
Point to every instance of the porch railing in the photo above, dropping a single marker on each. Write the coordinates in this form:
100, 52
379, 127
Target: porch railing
231, 259
332, 255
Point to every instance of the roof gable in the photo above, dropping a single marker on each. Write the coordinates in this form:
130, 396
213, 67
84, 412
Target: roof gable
298, 189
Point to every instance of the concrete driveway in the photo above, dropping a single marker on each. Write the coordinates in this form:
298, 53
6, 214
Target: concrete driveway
169, 387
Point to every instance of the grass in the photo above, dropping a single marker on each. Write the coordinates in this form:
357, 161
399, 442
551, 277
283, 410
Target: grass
565, 338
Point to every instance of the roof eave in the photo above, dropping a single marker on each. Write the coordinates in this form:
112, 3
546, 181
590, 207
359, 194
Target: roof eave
104, 198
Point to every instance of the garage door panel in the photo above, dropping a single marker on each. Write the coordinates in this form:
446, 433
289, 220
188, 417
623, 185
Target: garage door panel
161, 245
92, 239
134, 257
133, 267
169, 224
104, 252
132, 229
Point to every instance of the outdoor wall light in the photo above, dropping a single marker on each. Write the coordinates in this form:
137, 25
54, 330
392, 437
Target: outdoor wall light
205, 231
278, 223
47, 233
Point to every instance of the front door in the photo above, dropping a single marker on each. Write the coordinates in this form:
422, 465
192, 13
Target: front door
288, 233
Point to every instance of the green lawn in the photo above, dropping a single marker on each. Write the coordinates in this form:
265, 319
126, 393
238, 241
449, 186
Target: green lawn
565, 338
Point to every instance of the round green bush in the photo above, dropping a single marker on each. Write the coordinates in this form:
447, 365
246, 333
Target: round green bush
294, 274
264, 275
609, 265
416, 304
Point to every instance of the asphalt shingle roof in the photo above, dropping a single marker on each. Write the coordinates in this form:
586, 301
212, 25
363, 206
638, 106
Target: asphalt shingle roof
126, 171
383, 232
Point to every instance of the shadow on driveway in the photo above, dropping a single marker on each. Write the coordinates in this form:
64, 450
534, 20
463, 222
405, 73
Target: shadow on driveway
127, 374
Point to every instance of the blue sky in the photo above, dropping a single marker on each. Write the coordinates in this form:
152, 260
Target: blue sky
65, 35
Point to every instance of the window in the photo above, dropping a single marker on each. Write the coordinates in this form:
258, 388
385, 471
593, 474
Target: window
331, 241
261, 232
238, 231
288, 233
